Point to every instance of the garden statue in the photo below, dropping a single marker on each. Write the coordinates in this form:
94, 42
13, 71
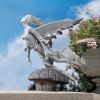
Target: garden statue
40, 40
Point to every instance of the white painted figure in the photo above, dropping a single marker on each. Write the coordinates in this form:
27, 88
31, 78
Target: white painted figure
40, 39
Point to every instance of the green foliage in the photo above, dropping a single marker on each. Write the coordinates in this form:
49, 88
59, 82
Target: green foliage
88, 28
86, 85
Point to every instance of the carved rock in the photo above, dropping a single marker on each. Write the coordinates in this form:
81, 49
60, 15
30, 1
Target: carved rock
48, 79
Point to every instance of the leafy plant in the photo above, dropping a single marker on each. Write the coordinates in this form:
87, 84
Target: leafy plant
87, 28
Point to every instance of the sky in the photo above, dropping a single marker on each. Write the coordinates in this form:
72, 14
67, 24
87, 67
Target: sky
14, 69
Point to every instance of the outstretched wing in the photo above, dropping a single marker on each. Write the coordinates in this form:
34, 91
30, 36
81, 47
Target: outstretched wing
53, 27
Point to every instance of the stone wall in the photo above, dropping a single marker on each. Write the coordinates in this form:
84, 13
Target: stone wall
26, 95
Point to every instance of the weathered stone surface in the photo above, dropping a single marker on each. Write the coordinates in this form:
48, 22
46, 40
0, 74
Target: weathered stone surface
96, 80
97, 90
25, 95
92, 66
50, 74
91, 71
48, 79
96, 97
92, 62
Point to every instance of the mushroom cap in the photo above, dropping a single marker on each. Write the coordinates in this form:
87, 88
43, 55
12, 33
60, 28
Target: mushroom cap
49, 74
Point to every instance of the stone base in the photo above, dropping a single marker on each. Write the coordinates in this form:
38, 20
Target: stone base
97, 90
36, 95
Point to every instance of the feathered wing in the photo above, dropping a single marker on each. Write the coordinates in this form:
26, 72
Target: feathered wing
52, 28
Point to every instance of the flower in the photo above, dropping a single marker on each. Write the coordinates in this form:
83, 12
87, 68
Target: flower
92, 44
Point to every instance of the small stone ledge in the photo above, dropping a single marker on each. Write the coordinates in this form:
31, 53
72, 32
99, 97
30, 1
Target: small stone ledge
38, 95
